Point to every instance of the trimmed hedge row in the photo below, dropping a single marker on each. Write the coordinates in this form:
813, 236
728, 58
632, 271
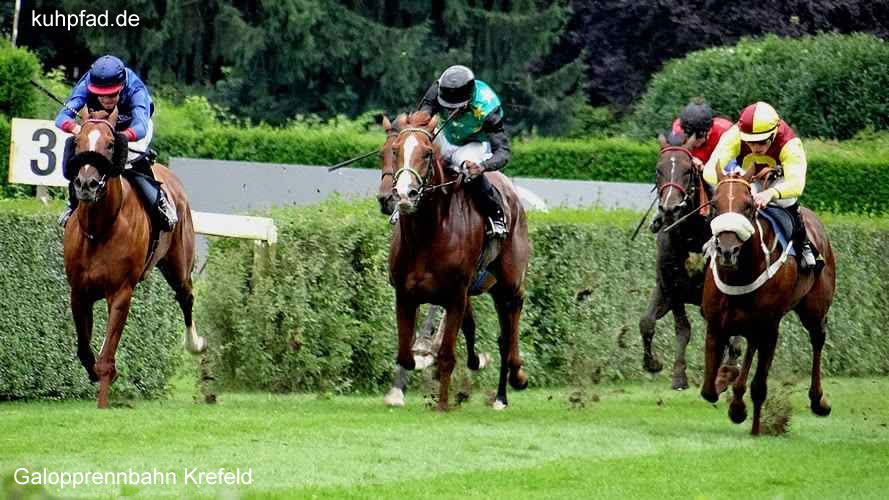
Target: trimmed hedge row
842, 177
38, 357
828, 85
324, 318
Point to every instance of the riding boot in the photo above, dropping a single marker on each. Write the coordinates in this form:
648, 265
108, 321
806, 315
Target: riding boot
69, 208
806, 252
488, 201
166, 212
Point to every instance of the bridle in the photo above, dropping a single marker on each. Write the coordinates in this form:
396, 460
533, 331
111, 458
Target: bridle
689, 193
424, 180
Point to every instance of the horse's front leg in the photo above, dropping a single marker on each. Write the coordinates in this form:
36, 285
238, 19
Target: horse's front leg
713, 349
447, 351
82, 311
118, 310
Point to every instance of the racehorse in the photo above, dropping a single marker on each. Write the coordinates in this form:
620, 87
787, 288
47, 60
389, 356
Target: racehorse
681, 193
439, 255
751, 285
108, 245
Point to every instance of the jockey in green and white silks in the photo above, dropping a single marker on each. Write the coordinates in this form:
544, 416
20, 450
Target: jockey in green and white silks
474, 141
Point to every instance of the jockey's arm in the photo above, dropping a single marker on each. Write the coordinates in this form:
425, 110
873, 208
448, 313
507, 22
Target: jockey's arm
793, 161
141, 114
65, 120
429, 102
727, 149
501, 150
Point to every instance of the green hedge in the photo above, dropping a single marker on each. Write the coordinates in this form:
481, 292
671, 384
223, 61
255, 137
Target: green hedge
827, 85
843, 177
324, 318
38, 357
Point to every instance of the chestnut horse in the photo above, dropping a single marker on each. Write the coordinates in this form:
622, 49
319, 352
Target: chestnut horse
437, 246
681, 193
107, 241
750, 285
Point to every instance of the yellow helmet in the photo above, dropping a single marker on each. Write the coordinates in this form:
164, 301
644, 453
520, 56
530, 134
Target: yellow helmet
758, 122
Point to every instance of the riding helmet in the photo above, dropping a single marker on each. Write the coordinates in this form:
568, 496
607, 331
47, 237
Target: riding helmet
456, 87
696, 119
758, 122
107, 75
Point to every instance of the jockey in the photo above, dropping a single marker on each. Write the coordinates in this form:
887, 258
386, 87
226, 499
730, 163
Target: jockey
696, 122
761, 139
474, 141
107, 84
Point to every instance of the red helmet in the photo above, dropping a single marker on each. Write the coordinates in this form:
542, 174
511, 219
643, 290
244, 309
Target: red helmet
758, 122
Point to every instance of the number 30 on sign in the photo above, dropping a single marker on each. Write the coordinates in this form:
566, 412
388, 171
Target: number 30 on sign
35, 155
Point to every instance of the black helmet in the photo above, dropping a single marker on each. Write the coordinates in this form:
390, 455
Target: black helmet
455, 87
696, 118
107, 76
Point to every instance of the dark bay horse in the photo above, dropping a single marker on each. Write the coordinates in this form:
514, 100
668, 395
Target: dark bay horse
751, 285
681, 192
107, 241
438, 246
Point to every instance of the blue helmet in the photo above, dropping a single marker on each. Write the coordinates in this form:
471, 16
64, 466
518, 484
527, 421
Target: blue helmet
107, 75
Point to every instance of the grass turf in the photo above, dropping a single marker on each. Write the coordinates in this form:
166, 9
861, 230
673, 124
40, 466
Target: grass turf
633, 440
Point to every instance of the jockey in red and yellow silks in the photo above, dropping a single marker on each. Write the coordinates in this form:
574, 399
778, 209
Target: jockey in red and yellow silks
761, 139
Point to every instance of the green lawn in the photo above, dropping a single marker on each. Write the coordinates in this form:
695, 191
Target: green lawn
638, 440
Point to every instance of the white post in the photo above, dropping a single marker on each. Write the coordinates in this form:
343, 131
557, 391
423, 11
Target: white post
15, 21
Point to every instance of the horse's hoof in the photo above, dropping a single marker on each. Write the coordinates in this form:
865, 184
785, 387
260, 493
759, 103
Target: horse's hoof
395, 398
726, 376
484, 360
710, 397
442, 407
498, 405
821, 408
423, 361
680, 383
737, 413
518, 380
652, 365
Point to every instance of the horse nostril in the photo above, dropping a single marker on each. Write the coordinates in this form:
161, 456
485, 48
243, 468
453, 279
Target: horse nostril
93, 184
77, 182
413, 193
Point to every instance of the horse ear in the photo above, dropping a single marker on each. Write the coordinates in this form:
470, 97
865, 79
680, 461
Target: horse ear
432, 123
84, 115
113, 116
662, 140
387, 125
688, 142
748, 175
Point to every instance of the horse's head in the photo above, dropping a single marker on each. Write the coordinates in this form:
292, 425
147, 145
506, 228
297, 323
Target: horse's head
677, 178
99, 153
386, 195
416, 158
733, 224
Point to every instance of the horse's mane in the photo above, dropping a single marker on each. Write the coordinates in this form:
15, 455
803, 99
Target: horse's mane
417, 119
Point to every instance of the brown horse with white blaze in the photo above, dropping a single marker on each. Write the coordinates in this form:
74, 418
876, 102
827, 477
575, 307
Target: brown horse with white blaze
436, 251
750, 285
106, 246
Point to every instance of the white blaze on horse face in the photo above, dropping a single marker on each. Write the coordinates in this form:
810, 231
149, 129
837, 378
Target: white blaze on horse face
672, 175
94, 139
404, 180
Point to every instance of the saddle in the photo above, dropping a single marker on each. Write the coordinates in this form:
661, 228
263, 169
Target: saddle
782, 224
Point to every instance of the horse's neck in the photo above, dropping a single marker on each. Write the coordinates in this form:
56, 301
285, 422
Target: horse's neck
99, 217
435, 218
